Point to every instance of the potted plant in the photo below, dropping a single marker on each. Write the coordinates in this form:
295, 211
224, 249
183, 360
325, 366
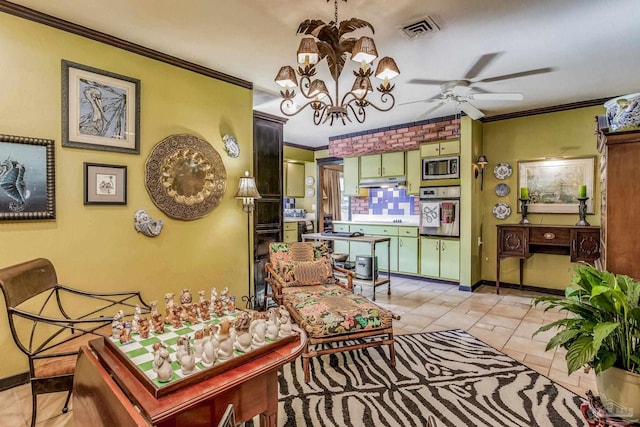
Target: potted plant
602, 332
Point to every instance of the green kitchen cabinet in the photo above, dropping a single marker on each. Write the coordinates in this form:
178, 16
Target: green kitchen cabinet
290, 231
351, 176
294, 180
440, 148
379, 165
440, 258
414, 172
408, 255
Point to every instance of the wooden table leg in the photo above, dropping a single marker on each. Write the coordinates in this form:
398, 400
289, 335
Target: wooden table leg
521, 271
269, 418
498, 276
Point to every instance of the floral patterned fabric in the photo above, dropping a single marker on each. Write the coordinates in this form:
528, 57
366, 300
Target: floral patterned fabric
285, 257
326, 310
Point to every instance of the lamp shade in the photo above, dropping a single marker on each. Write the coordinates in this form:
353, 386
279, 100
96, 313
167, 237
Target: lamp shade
387, 69
362, 86
364, 50
482, 161
308, 52
247, 188
286, 77
318, 88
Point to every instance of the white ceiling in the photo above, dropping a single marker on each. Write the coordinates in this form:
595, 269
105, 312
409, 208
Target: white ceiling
592, 46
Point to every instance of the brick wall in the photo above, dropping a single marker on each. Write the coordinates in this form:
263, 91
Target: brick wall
394, 138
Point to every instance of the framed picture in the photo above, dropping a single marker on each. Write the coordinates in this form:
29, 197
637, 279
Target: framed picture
100, 110
554, 184
105, 184
27, 178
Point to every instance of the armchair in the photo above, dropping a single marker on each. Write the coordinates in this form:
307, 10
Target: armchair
49, 322
303, 280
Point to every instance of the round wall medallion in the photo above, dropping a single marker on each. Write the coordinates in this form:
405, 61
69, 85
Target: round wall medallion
502, 189
311, 192
502, 171
185, 177
310, 180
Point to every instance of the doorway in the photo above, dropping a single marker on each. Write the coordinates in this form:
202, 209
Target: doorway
331, 202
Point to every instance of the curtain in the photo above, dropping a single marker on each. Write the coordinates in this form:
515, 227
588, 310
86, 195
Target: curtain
331, 193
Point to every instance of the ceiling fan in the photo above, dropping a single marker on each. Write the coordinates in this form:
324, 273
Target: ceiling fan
463, 91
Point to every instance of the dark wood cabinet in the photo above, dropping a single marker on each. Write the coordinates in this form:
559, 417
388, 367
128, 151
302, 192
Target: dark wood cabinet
620, 204
267, 217
523, 240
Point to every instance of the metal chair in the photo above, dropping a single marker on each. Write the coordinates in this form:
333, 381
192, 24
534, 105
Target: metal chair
49, 322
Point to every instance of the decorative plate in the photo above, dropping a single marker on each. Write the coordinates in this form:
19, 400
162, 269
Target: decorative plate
502, 189
309, 180
231, 146
311, 192
501, 210
502, 171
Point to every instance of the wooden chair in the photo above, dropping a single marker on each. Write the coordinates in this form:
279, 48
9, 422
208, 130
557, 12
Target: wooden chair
49, 322
303, 279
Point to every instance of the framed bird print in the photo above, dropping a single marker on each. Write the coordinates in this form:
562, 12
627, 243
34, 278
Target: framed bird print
105, 184
100, 109
27, 178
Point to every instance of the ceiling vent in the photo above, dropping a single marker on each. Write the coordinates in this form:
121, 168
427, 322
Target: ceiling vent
420, 27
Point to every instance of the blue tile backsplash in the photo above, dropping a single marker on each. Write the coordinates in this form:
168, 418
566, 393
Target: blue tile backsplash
289, 203
390, 201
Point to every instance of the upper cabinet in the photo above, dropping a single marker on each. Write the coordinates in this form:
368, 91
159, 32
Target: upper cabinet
385, 164
294, 180
440, 148
351, 176
414, 176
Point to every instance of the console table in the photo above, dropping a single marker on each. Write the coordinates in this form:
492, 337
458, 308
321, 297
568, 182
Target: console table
581, 243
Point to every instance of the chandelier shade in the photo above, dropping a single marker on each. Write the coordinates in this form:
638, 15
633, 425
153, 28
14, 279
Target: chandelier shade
331, 42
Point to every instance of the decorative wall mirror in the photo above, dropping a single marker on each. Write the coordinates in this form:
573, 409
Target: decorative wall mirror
185, 177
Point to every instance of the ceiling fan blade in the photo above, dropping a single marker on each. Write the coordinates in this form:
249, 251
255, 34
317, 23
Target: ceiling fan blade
427, 81
514, 96
516, 75
430, 110
471, 111
433, 98
480, 64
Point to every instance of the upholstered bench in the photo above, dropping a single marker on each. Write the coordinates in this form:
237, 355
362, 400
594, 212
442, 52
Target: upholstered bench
302, 279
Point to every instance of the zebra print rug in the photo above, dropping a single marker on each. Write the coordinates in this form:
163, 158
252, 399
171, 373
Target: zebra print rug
451, 375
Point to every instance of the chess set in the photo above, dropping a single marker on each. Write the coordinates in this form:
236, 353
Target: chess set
193, 341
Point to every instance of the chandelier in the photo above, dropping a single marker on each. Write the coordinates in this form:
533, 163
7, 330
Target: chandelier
330, 41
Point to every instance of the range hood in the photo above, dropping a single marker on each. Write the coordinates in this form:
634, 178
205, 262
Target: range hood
391, 181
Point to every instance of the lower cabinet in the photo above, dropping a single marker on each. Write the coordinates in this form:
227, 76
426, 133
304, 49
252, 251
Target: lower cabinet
408, 253
290, 232
440, 258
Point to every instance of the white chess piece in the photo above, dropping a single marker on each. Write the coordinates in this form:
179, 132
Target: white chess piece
258, 331
285, 322
135, 324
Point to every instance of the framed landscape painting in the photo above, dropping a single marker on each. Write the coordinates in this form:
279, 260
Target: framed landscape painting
553, 184
100, 110
27, 178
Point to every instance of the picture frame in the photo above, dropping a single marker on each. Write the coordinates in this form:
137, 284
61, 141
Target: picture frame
100, 109
105, 184
27, 178
553, 183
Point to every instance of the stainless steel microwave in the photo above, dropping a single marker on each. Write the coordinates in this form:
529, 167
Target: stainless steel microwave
441, 167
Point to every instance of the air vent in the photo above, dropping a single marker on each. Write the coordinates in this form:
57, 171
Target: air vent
421, 27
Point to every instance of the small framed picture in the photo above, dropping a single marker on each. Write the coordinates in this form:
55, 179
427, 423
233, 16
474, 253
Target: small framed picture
105, 184
100, 109
27, 178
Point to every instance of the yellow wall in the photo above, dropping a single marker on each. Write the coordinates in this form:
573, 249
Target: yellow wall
96, 247
567, 133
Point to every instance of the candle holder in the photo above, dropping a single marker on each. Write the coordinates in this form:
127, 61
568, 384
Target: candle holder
524, 207
582, 211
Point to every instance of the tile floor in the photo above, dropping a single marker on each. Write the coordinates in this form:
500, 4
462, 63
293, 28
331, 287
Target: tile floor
504, 321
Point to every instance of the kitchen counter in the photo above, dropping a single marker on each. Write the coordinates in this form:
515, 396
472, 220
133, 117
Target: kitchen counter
406, 223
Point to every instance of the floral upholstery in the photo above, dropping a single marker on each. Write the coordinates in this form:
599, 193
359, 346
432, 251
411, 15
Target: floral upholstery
329, 309
314, 261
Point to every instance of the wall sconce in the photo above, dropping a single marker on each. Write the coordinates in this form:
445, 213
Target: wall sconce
479, 169
248, 192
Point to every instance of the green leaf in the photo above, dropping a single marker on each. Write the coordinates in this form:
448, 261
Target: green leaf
602, 331
562, 338
561, 322
607, 360
580, 353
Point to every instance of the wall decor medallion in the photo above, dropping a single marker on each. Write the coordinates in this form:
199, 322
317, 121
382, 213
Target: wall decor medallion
185, 177
502, 171
231, 146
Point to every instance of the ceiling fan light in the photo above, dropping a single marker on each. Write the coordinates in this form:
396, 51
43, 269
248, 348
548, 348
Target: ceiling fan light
286, 77
387, 69
364, 50
308, 52
318, 89
361, 87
